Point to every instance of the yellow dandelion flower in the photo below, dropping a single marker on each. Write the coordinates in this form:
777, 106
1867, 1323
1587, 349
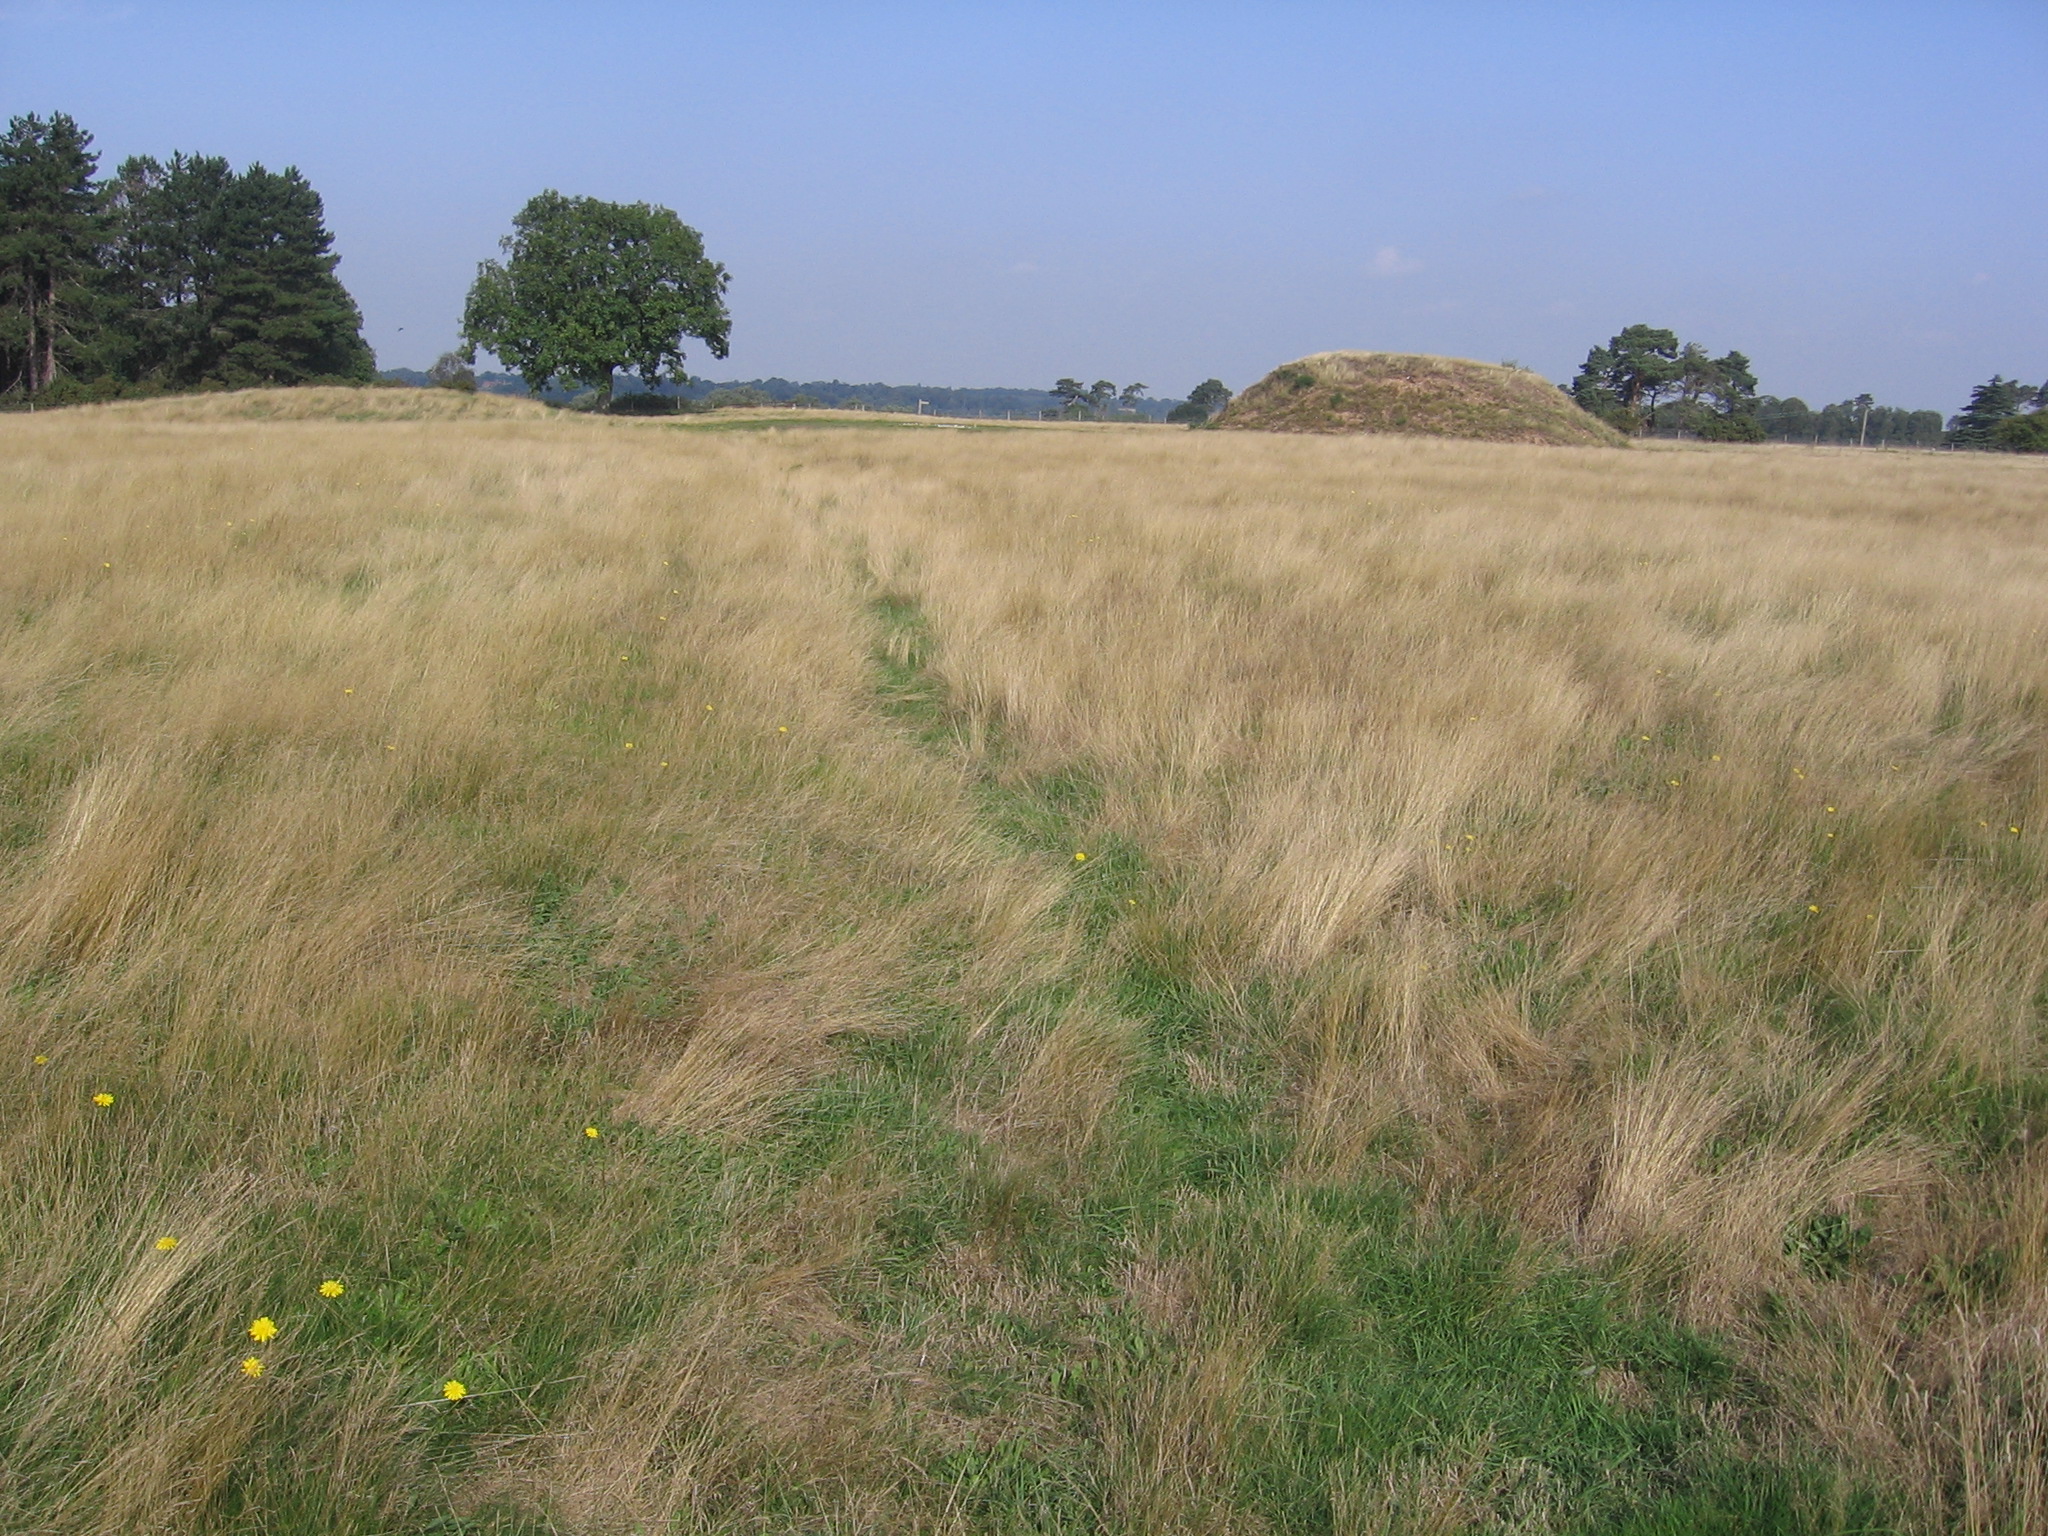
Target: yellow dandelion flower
348, 690
454, 1391
592, 1132
331, 1288
42, 1061
263, 1330
629, 746
1811, 907
166, 1244
1672, 782
252, 1366
783, 728
1829, 809
104, 1100
1080, 858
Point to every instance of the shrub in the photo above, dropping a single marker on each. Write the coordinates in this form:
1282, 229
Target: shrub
645, 403
451, 372
2022, 434
724, 399
1732, 429
1187, 413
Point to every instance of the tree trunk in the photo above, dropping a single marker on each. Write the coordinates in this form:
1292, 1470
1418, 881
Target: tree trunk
49, 332
32, 352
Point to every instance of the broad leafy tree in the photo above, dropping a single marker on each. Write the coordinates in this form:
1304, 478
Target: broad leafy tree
51, 228
589, 287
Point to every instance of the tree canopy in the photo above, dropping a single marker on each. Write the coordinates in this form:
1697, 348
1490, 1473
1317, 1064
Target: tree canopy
589, 287
230, 278
1997, 400
50, 231
167, 275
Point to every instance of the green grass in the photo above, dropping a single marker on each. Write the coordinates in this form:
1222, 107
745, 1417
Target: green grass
1400, 1338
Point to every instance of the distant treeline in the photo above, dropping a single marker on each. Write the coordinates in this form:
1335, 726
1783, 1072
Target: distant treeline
831, 394
169, 275
1647, 382
1860, 422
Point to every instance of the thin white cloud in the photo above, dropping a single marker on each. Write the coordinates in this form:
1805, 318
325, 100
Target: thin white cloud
1389, 262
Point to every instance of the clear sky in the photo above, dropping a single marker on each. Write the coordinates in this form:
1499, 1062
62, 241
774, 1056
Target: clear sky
975, 194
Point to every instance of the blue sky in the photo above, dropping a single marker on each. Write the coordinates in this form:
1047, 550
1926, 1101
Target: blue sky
1855, 194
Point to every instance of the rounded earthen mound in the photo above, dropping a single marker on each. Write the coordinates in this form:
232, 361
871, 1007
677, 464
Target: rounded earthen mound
1339, 392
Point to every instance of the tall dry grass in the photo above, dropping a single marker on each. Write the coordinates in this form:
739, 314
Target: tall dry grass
1639, 848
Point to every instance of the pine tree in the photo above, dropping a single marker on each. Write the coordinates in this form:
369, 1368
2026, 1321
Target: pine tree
50, 233
1622, 381
166, 262
282, 316
1990, 403
229, 278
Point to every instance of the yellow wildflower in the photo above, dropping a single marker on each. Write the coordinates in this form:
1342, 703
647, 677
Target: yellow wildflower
252, 1366
104, 1100
263, 1330
454, 1391
42, 1061
1811, 907
166, 1244
331, 1288
1080, 858
592, 1132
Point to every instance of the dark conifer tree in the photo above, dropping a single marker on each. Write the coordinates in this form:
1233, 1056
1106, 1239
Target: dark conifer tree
283, 317
230, 278
50, 234
1990, 403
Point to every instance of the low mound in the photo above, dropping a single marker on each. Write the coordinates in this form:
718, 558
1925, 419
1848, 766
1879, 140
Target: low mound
1401, 392
335, 402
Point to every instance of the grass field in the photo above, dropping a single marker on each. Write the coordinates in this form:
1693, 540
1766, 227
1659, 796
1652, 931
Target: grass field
1049, 980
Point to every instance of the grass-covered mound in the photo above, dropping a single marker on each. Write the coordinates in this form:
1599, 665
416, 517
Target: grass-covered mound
329, 402
1405, 392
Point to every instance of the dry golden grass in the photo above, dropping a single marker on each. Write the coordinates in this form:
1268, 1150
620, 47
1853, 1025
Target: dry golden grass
1642, 849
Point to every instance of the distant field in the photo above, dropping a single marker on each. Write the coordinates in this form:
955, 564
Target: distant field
1062, 980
